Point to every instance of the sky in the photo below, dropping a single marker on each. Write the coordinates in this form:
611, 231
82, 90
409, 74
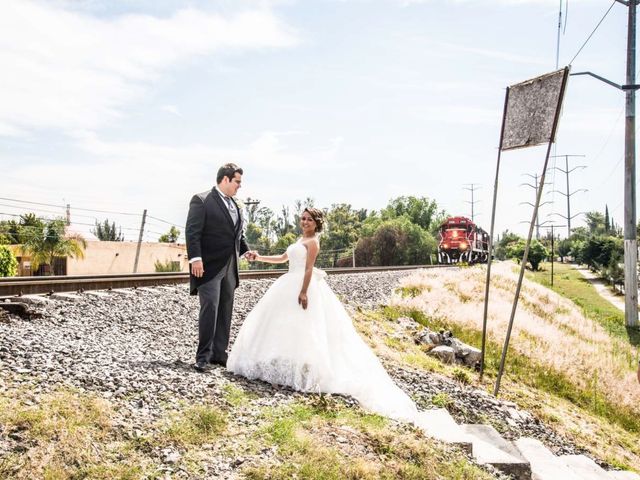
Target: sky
127, 105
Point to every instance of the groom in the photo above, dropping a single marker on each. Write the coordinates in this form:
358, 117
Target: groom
215, 240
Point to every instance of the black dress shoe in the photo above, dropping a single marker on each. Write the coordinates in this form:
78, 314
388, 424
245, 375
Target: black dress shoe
200, 366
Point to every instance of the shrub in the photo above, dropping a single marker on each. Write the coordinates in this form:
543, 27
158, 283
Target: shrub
8, 262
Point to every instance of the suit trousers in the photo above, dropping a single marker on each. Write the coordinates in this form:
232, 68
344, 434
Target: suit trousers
216, 308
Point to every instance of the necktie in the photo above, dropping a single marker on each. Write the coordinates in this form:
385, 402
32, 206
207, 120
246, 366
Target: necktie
232, 210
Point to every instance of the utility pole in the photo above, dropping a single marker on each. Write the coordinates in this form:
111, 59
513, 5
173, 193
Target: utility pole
566, 171
630, 229
68, 214
472, 188
135, 263
535, 189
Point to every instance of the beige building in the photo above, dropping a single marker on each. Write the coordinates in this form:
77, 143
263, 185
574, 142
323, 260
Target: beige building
113, 257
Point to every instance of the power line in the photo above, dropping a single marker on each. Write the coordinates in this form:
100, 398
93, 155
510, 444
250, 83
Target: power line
64, 206
594, 31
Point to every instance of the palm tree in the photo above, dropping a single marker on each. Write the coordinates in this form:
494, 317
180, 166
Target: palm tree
50, 242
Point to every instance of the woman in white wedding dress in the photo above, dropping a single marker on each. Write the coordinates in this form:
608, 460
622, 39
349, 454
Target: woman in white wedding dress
300, 335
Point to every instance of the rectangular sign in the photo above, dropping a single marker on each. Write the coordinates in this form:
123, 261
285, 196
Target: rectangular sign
531, 109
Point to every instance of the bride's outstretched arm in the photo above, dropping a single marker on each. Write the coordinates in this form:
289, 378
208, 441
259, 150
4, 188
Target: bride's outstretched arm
312, 252
272, 258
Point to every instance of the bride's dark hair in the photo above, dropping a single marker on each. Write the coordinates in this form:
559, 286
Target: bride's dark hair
317, 216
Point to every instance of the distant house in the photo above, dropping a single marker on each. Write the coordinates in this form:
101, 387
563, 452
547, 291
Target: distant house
110, 257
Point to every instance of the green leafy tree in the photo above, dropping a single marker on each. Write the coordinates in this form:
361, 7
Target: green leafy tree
343, 228
564, 248
283, 242
16, 232
50, 242
598, 251
419, 210
8, 262
595, 223
507, 238
171, 236
396, 241
107, 232
537, 252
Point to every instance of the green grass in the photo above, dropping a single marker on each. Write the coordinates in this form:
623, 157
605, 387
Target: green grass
196, 425
570, 283
235, 395
525, 370
68, 435
376, 449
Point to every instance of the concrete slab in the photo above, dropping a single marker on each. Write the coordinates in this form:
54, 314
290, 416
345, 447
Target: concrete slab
98, 293
123, 291
622, 475
32, 299
544, 464
490, 448
148, 290
439, 424
586, 468
67, 297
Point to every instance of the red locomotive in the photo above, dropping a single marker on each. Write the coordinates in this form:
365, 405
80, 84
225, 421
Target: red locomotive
461, 240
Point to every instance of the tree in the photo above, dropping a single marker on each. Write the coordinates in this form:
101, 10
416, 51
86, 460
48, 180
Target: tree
595, 223
537, 252
420, 210
8, 262
506, 240
283, 223
50, 242
598, 251
16, 232
106, 232
343, 225
564, 248
397, 241
171, 236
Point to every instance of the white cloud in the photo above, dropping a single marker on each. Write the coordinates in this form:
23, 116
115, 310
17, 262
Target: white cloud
172, 109
69, 70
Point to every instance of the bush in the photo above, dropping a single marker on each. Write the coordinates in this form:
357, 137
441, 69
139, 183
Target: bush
8, 262
167, 266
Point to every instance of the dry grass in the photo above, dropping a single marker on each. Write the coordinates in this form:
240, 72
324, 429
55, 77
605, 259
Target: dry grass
548, 328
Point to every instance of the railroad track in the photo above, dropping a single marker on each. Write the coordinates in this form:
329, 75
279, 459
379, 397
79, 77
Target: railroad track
15, 286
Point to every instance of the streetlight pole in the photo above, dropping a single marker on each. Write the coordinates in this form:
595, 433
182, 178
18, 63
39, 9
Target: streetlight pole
630, 229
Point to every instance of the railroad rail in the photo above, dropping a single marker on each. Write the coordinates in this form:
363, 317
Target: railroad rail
16, 286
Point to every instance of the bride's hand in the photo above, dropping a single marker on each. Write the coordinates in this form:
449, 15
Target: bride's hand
302, 300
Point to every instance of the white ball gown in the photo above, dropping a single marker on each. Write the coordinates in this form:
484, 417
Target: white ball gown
313, 350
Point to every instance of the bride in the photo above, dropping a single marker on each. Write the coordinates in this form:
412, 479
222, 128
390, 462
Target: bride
300, 335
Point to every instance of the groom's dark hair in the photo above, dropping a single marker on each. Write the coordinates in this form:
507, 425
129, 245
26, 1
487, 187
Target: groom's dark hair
228, 170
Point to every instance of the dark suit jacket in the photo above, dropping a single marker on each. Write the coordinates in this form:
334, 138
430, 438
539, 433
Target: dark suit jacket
212, 236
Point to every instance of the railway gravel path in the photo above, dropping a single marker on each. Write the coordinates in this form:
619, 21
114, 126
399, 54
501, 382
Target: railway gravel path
135, 347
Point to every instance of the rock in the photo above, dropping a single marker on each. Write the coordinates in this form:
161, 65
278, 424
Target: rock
408, 323
171, 456
443, 353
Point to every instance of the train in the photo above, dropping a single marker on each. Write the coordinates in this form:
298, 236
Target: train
462, 241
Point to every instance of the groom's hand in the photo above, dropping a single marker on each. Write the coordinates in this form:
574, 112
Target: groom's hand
197, 268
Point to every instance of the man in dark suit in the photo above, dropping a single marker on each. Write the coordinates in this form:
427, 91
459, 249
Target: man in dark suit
215, 241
